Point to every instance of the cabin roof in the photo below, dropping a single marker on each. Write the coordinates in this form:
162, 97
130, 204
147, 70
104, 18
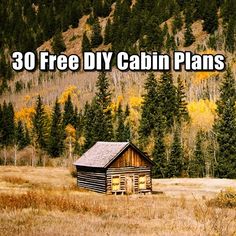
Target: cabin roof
101, 154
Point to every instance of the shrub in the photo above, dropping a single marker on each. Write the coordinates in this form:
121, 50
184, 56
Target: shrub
225, 199
73, 172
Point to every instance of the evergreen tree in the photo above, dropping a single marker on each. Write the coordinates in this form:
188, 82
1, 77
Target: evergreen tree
127, 111
103, 99
175, 163
101, 130
68, 114
149, 108
182, 111
76, 13
89, 115
98, 8
159, 151
225, 128
189, 13
120, 125
86, 46
170, 43
96, 38
58, 44
27, 136
108, 33
197, 164
168, 98
56, 138
177, 22
230, 36
40, 124
188, 36
210, 18
120, 134
153, 39
20, 136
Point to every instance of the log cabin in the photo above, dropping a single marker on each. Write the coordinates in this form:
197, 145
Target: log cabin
114, 168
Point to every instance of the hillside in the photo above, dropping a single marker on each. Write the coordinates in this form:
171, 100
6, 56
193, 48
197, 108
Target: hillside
42, 83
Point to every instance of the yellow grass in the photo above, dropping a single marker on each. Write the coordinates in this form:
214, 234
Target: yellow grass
45, 201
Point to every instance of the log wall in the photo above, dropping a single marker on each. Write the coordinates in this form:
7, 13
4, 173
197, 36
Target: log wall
92, 179
129, 172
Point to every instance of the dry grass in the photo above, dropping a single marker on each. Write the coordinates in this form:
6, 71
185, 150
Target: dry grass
14, 180
50, 204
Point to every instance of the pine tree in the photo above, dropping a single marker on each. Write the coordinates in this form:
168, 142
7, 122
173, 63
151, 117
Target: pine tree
89, 115
230, 36
58, 44
120, 130
177, 22
149, 108
20, 136
175, 163
108, 33
182, 111
153, 35
127, 111
100, 124
188, 36
103, 99
86, 46
159, 151
225, 128
68, 114
27, 136
197, 164
96, 38
98, 8
168, 98
56, 138
40, 124
210, 18
170, 43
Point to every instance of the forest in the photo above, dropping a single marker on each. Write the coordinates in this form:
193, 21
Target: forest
159, 121
163, 113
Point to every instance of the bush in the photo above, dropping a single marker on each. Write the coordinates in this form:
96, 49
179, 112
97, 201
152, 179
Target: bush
73, 172
225, 199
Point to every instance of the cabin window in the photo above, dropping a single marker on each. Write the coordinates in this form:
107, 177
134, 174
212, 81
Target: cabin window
115, 183
142, 182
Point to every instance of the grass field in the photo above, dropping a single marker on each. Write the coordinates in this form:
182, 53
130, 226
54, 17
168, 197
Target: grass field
46, 201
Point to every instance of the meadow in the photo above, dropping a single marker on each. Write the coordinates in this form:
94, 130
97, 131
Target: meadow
46, 201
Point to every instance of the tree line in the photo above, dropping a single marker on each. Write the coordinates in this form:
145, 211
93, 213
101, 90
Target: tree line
164, 115
50, 133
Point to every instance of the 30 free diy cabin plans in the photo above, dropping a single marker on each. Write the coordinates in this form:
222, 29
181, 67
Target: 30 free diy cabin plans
114, 167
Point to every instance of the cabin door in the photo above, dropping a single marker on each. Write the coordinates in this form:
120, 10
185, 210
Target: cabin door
129, 184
